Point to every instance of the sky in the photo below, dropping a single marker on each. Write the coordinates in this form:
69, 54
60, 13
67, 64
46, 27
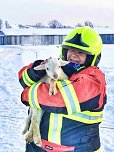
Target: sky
13, 113
67, 12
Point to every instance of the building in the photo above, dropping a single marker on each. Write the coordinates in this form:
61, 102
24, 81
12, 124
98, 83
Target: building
107, 35
2, 35
45, 36
33, 36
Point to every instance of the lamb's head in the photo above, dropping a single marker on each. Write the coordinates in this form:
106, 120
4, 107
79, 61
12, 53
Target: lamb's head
52, 67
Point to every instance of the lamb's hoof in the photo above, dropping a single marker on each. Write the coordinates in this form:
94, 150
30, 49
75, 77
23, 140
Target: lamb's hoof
38, 143
37, 140
29, 138
24, 131
51, 93
28, 141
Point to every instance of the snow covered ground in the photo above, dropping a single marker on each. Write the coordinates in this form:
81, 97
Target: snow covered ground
13, 112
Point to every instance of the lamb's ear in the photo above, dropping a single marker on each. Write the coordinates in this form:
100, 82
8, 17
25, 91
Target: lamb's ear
62, 63
40, 67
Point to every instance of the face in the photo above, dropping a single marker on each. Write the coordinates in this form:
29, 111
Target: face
76, 56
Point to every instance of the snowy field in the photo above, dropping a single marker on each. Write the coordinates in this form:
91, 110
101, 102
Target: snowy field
13, 112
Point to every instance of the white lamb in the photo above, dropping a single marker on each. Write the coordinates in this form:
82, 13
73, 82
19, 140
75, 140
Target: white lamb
54, 72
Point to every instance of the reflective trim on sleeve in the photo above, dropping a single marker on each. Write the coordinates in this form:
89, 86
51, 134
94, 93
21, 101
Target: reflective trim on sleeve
55, 125
69, 96
86, 117
26, 78
33, 98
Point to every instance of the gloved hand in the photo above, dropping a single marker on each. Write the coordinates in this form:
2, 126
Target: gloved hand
36, 75
70, 68
39, 72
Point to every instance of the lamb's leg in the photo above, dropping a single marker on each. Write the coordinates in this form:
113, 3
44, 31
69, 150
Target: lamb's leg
27, 124
34, 132
37, 116
29, 134
52, 89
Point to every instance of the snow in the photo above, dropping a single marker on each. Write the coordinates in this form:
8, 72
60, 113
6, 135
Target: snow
13, 112
51, 31
32, 31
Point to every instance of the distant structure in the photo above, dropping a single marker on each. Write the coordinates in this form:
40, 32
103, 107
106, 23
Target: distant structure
2, 35
45, 36
107, 35
32, 36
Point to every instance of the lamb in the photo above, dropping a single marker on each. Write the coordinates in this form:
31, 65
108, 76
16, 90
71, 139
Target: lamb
54, 72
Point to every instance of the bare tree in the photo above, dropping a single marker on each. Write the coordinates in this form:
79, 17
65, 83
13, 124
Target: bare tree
88, 23
78, 25
55, 24
67, 26
39, 25
7, 25
1, 24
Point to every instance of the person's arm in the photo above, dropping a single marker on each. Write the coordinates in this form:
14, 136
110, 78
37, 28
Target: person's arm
28, 76
80, 93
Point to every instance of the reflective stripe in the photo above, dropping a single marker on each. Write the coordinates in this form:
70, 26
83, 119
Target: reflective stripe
86, 117
80, 68
69, 96
99, 150
55, 125
33, 99
73, 107
30, 97
26, 78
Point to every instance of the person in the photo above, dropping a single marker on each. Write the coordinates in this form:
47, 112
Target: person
71, 119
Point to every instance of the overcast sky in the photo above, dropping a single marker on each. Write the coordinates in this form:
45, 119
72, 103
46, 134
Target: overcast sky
67, 12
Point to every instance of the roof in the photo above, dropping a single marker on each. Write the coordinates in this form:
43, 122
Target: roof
1, 33
50, 31
43, 31
104, 30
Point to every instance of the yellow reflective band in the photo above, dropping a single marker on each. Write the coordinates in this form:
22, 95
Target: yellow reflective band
26, 78
58, 132
92, 113
80, 68
33, 99
64, 95
86, 117
35, 95
30, 97
99, 150
69, 96
51, 123
55, 125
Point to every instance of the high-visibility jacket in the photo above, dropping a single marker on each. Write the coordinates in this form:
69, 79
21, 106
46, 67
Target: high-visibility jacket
72, 116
